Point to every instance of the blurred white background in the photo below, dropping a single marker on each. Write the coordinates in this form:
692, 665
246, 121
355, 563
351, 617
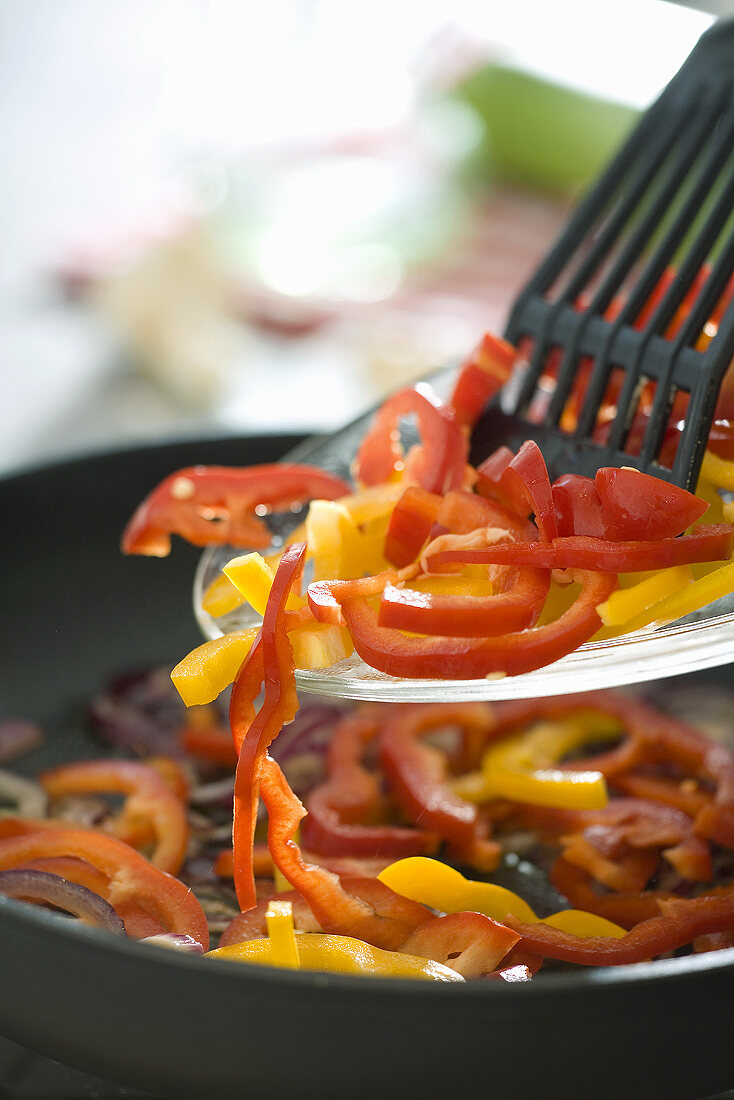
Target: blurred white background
231, 215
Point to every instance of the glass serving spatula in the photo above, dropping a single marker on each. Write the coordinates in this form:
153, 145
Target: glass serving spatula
599, 303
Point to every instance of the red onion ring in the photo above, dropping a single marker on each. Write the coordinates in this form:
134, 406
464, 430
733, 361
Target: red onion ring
18, 736
40, 886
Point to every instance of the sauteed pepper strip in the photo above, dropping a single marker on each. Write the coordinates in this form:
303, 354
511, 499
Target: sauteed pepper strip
680, 921
131, 877
345, 812
418, 775
149, 800
441, 887
333, 954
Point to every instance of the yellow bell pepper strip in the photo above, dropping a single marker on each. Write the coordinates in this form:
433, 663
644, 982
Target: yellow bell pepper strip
442, 887
521, 768
625, 604
341, 955
221, 597
371, 504
202, 675
320, 645
281, 934
253, 577
693, 597
717, 471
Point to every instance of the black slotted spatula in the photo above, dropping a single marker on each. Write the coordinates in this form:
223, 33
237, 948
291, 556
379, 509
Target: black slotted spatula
656, 232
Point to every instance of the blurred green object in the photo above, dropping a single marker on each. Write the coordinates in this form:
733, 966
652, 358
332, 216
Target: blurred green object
538, 133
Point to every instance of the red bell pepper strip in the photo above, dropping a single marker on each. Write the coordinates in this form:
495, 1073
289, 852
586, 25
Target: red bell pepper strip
712, 543
462, 513
578, 508
131, 877
632, 823
210, 505
272, 658
149, 800
471, 943
325, 597
345, 813
410, 525
418, 776
252, 925
521, 482
680, 921
637, 506
627, 908
363, 908
518, 606
438, 465
481, 376
460, 658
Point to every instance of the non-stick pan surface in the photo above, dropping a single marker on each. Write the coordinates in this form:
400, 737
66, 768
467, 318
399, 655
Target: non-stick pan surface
73, 612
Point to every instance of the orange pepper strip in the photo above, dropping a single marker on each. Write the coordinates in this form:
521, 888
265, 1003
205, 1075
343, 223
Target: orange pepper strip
418, 775
150, 800
346, 905
131, 877
680, 921
344, 813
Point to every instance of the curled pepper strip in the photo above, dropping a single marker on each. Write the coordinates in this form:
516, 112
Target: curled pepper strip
516, 607
150, 802
471, 943
481, 376
438, 465
131, 877
680, 922
457, 658
418, 776
410, 525
345, 812
352, 906
652, 738
625, 907
214, 505
461, 513
521, 482
325, 597
270, 658
576, 552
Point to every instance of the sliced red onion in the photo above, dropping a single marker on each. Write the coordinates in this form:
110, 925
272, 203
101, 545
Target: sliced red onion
220, 791
301, 747
40, 886
175, 941
18, 736
309, 732
28, 798
140, 712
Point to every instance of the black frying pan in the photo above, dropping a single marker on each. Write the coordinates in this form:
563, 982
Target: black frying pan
74, 611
